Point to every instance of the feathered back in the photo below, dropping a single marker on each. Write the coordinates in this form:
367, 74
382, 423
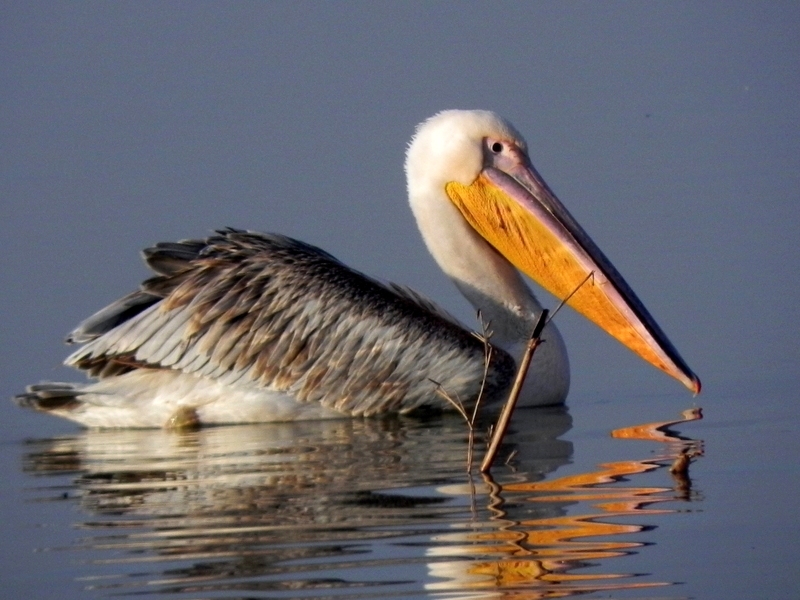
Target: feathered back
269, 311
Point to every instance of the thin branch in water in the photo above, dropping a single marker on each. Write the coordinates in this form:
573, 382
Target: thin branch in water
456, 402
508, 408
511, 456
459, 406
485, 336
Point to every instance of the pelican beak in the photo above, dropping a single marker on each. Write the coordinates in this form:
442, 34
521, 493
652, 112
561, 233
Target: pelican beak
515, 211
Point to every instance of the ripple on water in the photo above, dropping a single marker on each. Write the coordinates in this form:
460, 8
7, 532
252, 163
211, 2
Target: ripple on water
348, 509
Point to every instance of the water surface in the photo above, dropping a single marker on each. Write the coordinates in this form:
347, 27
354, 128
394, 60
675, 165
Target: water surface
357, 509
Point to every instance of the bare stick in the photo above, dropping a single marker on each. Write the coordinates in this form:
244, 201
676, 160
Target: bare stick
456, 402
571, 294
486, 335
533, 343
459, 406
505, 415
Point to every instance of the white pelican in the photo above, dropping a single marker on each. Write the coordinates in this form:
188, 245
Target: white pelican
248, 327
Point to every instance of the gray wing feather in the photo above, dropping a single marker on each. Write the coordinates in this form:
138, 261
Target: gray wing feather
111, 316
268, 311
425, 302
166, 344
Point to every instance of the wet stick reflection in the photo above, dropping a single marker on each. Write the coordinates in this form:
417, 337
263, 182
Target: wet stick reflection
681, 453
540, 557
321, 508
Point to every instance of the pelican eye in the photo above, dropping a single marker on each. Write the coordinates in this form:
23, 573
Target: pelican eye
497, 147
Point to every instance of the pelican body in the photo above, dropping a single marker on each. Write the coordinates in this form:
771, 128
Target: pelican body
245, 327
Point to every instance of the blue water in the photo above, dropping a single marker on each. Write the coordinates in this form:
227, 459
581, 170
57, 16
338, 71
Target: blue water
585, 505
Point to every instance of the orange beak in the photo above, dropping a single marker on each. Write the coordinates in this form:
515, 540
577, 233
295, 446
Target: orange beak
512, 208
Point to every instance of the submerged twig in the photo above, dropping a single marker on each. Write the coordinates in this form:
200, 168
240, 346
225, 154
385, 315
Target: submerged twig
456, 402
680, 466
459, 406
511, 456
486, 334
508, 408
679, 470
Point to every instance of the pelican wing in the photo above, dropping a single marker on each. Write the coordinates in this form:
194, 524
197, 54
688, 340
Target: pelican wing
268, 311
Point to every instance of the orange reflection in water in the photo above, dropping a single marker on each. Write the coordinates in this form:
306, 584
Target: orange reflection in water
541, 555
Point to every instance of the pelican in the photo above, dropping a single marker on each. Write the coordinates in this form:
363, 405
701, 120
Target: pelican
249, 327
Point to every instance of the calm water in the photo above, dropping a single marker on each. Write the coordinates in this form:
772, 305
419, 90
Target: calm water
384, 508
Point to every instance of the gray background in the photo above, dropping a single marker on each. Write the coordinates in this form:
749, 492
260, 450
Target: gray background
670, 130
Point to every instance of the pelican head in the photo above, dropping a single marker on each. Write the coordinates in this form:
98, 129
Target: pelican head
486, 215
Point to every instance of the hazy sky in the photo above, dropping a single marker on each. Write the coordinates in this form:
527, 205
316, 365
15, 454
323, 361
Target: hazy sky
671, 130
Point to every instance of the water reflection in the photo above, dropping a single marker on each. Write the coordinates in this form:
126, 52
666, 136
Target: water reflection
354, 509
